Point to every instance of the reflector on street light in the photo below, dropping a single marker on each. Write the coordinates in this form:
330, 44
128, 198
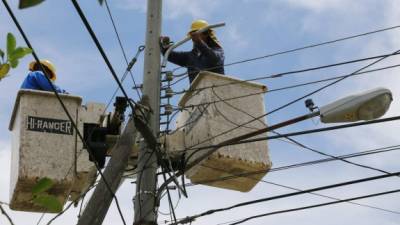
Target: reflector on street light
368, 105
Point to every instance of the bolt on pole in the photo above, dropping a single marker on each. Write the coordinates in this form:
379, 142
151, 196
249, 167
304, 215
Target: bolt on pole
145, 199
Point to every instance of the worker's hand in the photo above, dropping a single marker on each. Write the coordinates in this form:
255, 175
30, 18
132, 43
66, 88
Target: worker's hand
165, 42
196, 37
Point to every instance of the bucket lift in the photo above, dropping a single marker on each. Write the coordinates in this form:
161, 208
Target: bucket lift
217, 104
45, 145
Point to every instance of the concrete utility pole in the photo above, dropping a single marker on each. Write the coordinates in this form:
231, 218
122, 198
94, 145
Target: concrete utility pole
99, 203
145, 199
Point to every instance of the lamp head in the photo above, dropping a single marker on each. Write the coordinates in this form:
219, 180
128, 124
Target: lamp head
368, 105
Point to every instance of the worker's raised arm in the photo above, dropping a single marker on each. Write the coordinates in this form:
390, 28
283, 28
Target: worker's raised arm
179, 58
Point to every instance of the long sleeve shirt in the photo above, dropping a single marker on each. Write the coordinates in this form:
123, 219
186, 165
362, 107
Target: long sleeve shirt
36, 80
202, 57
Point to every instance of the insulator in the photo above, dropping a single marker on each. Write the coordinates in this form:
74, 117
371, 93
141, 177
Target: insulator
169, 93
169, 76
168, 109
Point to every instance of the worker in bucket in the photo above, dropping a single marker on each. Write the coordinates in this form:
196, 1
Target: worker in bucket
36, 79
207, 53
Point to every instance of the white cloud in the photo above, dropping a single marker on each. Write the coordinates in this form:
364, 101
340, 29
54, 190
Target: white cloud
175, 9
235, 37
295, 21
318, 6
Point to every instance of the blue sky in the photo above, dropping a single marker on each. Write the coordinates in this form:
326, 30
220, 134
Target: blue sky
253, 28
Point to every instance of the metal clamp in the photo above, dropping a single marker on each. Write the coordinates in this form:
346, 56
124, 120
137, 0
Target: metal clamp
133, 61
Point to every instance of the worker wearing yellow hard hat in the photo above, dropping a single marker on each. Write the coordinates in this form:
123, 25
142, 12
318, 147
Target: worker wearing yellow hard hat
36, 78
207, 53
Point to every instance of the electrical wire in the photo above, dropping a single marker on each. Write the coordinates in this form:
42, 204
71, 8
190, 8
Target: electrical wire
329, 79
3, 211
59, 214
171, 206
296, 189
52, 86
40, 219
283, 74
287, 87
101, 50
295, 100
121, 45
315, 206
377, 121
347, 183
304, 47
303, 164
128, 69
56, 94
296, 142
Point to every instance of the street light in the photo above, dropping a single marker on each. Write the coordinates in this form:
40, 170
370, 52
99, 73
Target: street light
367, 105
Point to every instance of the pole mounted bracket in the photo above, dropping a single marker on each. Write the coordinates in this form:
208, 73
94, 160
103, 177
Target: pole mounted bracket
141, 124
143, 222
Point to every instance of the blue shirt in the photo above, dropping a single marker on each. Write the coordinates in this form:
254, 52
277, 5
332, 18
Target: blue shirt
36, 80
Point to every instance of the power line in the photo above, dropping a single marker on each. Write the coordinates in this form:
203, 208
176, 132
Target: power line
122, 47
128, 69
101, 50
296, 100
332, 156
282, 74
389, 119
311, 193
303, 164
286, 87
315, 206
351, 182
298, 144
59, 98
291, 139
305, 47
329, 79
3, 211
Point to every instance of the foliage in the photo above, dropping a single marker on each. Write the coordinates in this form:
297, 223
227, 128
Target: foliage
29, 3
14, 54
41, 198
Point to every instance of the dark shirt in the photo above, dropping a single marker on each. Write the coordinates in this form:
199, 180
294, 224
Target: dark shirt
202, 57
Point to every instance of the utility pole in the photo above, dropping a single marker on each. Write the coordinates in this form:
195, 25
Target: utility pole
145, 199
99, 203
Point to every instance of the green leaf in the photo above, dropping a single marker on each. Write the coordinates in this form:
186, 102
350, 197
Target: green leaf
28, 3
4, 68
11, 43
13, 63
101, 2
42, 185
19, 53
49, 202
1, 54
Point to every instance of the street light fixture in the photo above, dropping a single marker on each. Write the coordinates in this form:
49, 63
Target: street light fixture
367, 105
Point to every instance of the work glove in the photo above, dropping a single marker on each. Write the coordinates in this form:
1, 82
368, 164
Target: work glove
165, 43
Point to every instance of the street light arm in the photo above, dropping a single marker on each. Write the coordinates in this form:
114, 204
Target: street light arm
235, 140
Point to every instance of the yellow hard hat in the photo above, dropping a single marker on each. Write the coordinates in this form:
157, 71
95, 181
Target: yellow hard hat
49, 65
199, 24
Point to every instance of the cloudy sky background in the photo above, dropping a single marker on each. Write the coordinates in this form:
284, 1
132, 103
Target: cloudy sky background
254, 28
